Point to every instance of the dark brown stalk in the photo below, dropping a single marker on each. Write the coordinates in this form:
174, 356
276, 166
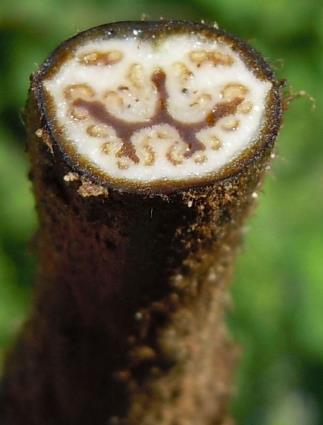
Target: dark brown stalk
128, 321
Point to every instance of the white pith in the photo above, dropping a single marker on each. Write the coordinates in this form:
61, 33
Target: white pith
193, 92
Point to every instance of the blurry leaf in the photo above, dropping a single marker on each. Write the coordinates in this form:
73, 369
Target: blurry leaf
13, 304
17, 211
309, 322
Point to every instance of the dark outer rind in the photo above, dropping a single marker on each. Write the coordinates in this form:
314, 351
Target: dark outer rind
160, 29
127, 326
85, 357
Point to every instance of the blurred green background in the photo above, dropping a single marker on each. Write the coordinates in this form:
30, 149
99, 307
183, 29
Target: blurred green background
278, 287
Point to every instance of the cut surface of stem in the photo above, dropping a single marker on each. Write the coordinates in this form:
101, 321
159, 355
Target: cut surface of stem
148, 142
141, 110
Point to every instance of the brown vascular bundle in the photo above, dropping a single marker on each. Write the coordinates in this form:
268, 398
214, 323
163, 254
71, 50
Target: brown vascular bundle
147, 141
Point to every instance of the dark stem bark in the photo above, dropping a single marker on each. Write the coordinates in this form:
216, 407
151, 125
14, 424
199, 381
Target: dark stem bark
128, 323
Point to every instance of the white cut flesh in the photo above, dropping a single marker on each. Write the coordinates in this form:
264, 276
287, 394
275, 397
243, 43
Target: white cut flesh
199, 74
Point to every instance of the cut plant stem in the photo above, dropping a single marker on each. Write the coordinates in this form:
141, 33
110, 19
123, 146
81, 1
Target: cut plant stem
147, 142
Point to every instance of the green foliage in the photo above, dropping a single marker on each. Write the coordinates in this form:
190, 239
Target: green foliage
278, 289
